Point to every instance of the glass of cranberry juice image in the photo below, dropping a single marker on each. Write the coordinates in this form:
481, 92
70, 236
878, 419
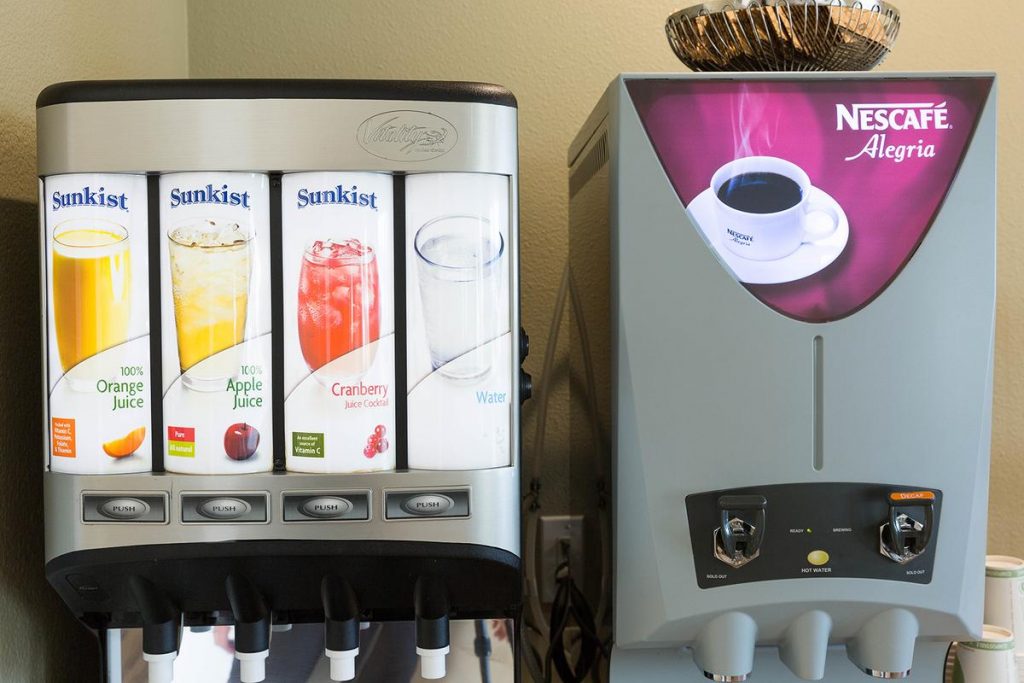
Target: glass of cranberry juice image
339, 308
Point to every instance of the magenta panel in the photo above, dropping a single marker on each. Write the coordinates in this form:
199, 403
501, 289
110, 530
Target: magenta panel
815, 193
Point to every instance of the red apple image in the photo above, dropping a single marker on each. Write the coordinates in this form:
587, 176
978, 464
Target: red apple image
241, 440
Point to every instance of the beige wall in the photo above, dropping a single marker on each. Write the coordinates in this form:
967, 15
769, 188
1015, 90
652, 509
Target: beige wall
557, 56
41, 43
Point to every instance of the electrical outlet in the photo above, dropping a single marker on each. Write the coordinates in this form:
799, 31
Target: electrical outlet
555, 532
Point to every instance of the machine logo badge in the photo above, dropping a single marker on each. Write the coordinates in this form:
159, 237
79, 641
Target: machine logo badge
893, 116
407, 135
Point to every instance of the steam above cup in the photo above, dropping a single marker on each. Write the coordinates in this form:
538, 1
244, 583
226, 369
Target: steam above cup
763, 206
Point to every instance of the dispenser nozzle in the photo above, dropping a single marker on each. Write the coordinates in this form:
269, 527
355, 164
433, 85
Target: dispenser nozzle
341, 627
884, 646
161, 629
252, 628
432, 662
724, 649
432, 633
804, 645
161, 667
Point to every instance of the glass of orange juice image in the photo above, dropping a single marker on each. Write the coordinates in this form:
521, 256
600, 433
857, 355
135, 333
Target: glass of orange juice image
210, 265
91, 288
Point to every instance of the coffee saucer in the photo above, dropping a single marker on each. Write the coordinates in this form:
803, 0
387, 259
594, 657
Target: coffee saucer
808, 259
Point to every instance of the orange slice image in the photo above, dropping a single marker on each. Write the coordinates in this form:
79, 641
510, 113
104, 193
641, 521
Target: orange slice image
126, 445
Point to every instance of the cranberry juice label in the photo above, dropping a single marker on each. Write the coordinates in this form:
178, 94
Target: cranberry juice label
813, 193
459, 321
216, 322
96, 250
339, 327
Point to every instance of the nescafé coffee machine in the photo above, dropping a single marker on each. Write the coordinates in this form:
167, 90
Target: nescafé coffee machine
788, 285
282, 360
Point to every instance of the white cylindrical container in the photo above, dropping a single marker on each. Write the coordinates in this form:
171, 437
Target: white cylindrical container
1004, 594
459, 362
216, 322
339, 321
989, 660
96, 246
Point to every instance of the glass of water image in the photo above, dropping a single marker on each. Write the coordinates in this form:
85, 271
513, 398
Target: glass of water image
458, 260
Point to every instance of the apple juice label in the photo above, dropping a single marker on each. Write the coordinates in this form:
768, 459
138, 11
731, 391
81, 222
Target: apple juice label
216, 322
458, 316
95, 243
339, 336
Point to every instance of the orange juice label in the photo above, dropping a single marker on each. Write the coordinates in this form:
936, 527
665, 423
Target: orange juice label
902, 496
62, 437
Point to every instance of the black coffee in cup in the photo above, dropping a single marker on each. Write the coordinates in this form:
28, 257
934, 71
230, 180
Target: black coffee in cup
760, 192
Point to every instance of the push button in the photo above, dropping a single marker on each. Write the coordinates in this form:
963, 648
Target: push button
224, 508
818, 558
124, 507
326, 506
426, 504
205, 508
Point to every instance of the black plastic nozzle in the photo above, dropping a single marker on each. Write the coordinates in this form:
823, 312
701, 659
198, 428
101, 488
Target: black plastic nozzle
341, 614
252, 616
161, 620
431, 601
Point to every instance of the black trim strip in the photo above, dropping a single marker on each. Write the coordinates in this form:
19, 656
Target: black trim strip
254, 89
156, 368
401, 327
277, 321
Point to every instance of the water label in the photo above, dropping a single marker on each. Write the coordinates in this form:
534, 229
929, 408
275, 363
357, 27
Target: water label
339, 332
459, 321
95, 243
216, 322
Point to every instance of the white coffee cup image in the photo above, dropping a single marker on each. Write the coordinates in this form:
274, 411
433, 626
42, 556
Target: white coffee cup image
763, 207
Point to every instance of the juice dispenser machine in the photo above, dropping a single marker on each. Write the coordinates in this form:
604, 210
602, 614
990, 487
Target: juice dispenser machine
282, 359
788, 286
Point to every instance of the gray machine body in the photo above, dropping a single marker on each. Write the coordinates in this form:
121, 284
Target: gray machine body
710, 389
302, 133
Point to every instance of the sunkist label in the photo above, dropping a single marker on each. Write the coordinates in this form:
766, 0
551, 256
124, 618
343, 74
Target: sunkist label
209, 195
339, 354
97, 306
885, 118
216, 322
88, 196
339, 194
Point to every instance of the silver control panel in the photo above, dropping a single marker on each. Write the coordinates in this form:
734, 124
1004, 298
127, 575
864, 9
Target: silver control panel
426, 504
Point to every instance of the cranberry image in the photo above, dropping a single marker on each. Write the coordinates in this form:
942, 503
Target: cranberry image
376, 443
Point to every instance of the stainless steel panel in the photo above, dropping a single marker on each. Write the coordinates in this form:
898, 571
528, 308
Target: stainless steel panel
494, 522
261, 135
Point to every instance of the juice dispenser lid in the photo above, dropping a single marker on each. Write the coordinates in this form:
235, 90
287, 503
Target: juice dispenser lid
258, 88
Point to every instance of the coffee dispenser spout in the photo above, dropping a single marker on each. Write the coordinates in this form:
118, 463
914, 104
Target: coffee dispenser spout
161, 629
432, 633
884, 646
804, 645
724, 649
252, 628
341, 627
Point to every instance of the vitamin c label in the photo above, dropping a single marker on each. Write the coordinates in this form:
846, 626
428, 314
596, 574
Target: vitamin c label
308, 444
62, 434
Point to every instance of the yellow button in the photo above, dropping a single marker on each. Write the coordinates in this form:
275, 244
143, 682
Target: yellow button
817, 557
